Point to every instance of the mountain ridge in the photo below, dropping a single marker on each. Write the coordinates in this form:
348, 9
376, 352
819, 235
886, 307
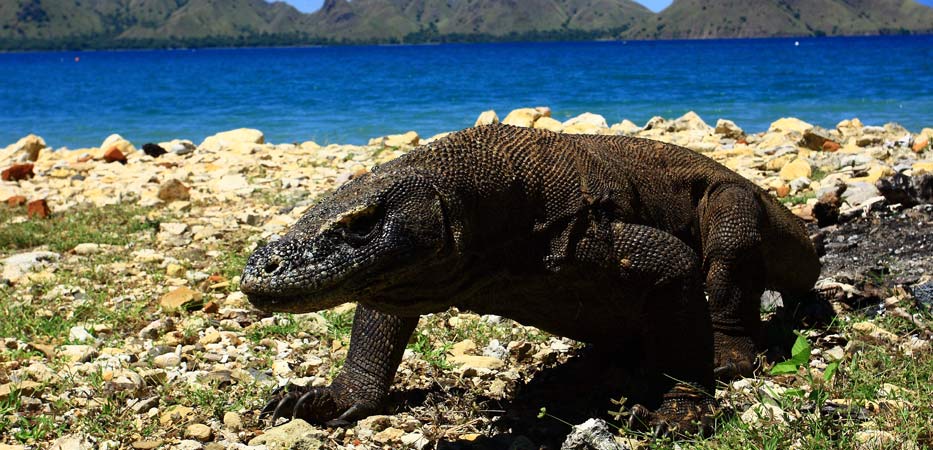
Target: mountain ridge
81, 24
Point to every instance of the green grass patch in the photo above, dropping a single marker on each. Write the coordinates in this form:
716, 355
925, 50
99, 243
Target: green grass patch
113, 225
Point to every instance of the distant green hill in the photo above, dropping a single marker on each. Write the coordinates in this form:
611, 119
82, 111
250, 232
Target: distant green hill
698, 19
51, 24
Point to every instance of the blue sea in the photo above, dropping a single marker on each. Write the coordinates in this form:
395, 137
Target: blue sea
350, 94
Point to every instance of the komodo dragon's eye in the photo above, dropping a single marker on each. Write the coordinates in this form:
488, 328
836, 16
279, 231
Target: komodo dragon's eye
359, 225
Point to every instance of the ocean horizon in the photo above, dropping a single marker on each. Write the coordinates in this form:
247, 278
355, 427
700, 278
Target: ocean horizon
348, 94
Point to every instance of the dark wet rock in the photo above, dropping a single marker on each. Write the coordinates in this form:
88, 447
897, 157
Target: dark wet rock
153, 150
815, 137
923, 293
906, 191
826, 209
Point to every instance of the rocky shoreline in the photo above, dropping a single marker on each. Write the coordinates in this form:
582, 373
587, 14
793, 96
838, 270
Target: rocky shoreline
152, 330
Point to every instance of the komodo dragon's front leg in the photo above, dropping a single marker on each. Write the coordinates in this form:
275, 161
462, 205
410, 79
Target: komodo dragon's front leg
675, 331
731, 222
376, 346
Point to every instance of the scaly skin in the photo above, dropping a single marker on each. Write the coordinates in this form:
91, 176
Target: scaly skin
592, 237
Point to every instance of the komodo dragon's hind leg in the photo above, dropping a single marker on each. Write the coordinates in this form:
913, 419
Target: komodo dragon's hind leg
675, 330
376, 346
731, 221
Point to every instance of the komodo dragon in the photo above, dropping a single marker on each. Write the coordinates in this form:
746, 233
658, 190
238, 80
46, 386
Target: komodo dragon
591, 237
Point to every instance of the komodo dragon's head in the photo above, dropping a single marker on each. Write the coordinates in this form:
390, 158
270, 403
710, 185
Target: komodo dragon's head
375, 239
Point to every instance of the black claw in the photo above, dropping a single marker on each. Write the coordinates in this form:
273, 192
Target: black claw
660, 430
301, 404
724, 370
285, 408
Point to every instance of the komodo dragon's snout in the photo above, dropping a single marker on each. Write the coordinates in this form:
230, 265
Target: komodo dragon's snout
376, 231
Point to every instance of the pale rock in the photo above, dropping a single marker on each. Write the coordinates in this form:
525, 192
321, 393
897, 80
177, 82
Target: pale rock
789, 124
310, 146
463, 347
117, 141
486, 118
921, 167
12, 447
593, 434
771, 143
689, 121
174, 228
415, 440
175, 270
17, 266
849, 127
701, 147
796, 169
230, 183
175, 415
875, 332
476, 362
594, 121
626, 127
878, 440
875, 173
582, 128
409, 139
79, 334
522, 117
147, 255
179, 298
764, 413
77, 353
655, 123
179, 146
71, 442
729, 129
836, 353
233, 421
199, 431
294, 435
388, 435
281, 369
25, 388
24, 150
860, 193
548, 123
167, 360
373, 424
244, 140
86, 249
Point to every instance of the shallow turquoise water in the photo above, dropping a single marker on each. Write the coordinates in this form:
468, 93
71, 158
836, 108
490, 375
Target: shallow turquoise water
349, 94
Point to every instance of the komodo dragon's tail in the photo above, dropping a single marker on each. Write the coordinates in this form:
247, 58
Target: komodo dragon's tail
791, 261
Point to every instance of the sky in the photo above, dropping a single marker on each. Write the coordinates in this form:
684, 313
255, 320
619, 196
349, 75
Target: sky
654, 5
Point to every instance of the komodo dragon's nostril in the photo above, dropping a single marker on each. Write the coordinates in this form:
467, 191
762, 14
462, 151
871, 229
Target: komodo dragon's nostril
271, 267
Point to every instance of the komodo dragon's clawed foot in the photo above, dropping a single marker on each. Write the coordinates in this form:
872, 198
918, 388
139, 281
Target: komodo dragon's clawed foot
322, 405
686, 411
735, 356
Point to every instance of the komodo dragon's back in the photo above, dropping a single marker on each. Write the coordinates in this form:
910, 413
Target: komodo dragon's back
647, 182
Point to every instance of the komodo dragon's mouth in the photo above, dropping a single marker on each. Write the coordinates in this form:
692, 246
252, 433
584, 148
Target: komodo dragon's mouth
295, 304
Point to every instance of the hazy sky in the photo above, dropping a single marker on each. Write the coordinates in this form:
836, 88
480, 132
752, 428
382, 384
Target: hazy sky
654, 5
